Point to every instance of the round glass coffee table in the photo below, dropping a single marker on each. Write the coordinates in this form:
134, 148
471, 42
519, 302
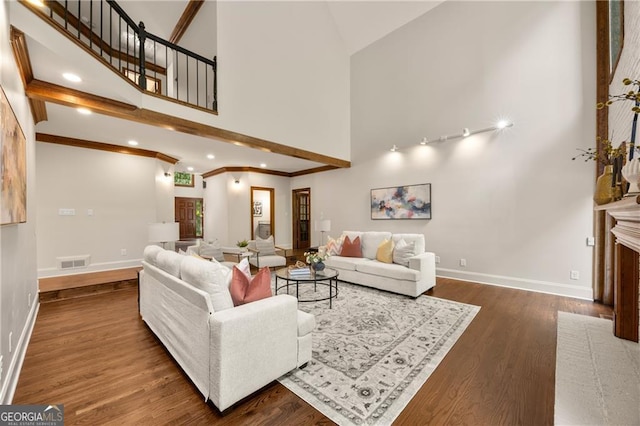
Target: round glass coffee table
326, 279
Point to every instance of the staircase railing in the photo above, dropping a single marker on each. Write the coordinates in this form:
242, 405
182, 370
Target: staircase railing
154, 64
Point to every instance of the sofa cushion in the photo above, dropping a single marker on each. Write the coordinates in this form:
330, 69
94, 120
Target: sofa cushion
245, 290
388, 270
306, 323
150, 254
345, 263
351, 248
244, 267
385, 252
213, 250
370, 242
418, 239
334, 246
403, 252
211, 277
266, 247
169, 261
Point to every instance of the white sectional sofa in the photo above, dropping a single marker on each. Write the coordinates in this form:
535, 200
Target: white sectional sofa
228, 352
418, 276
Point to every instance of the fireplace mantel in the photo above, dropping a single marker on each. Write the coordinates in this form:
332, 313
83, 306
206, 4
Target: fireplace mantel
624, 258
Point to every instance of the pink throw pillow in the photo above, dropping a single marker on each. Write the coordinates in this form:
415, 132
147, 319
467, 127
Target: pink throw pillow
351, 248
244, 290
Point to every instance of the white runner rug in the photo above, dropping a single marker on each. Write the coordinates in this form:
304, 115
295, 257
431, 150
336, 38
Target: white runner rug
597, 374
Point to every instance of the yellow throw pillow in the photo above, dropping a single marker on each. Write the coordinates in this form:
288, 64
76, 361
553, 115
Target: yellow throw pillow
385, 252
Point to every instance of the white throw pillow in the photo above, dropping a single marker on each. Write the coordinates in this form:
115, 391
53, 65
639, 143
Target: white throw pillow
266, 247
403, 252
244, 267
150, 254
210, 277
169, 261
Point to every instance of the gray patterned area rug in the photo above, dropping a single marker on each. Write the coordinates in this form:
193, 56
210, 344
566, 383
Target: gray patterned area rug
373, 351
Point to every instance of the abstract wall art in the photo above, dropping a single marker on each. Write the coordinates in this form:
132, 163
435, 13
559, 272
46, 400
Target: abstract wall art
13, 162
401, 202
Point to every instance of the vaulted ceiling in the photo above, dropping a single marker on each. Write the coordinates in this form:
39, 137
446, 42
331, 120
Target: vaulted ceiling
359, 23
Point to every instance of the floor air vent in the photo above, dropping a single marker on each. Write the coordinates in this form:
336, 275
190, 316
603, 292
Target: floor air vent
75, 262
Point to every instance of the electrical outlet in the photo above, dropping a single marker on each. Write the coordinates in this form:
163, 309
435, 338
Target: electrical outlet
437, 259
463, 262
10, 341
591, 241
123, 252
575, 275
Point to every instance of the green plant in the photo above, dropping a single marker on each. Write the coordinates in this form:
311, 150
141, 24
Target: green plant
242, 243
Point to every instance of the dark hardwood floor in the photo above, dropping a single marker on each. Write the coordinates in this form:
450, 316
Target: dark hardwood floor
94, 355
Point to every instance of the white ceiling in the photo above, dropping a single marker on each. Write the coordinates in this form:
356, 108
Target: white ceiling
359, 23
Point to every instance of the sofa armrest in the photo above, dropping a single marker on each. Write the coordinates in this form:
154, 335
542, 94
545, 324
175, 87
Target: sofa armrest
251, 345
426, 264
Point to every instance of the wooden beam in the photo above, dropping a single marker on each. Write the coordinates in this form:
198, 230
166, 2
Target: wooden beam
23, 61
190, 12
267, 171
314, 170
50, 92
83, 143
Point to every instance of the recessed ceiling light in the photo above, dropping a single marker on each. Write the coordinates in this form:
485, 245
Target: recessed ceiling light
211, 156
84, 111
72, 77
263, 165
190, 169
133, 143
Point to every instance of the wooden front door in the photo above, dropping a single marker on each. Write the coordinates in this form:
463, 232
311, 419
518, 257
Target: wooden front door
189, 215
301, 218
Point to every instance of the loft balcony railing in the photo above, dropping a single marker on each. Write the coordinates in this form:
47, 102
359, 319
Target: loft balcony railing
156, 65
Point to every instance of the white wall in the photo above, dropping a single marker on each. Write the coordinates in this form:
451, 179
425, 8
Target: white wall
229, 212
512, 204
18, 282
124, 192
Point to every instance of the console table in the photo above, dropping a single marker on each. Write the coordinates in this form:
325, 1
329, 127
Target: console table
618, 262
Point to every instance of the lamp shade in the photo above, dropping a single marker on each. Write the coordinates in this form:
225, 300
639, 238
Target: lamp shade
323, 225
164, 232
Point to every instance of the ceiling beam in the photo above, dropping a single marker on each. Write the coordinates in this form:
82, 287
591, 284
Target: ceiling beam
50, 92
83, 143
190, 12
23, 61
267, 171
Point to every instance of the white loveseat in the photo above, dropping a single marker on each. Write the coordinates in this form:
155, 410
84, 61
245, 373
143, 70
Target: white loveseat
418, 276
228, 353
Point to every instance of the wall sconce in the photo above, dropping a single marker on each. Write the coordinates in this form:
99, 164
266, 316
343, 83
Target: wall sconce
236, 181
167, 174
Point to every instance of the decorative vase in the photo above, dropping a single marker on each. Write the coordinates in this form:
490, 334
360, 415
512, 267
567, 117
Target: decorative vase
604, 190
631, 173
318, 266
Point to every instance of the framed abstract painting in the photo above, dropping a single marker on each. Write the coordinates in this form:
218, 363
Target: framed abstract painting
13, 155
401, 202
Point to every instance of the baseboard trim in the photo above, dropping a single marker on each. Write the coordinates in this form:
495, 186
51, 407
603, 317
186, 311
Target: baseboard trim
547, 287
13, 372
95, 267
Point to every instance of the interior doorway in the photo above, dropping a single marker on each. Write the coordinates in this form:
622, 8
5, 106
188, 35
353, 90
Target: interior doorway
301, 218
262, 212
188, 212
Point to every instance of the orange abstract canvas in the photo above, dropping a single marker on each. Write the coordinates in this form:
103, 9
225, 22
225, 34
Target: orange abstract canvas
13, 146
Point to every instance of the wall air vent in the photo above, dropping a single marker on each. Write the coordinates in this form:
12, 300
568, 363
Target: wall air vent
74, 262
